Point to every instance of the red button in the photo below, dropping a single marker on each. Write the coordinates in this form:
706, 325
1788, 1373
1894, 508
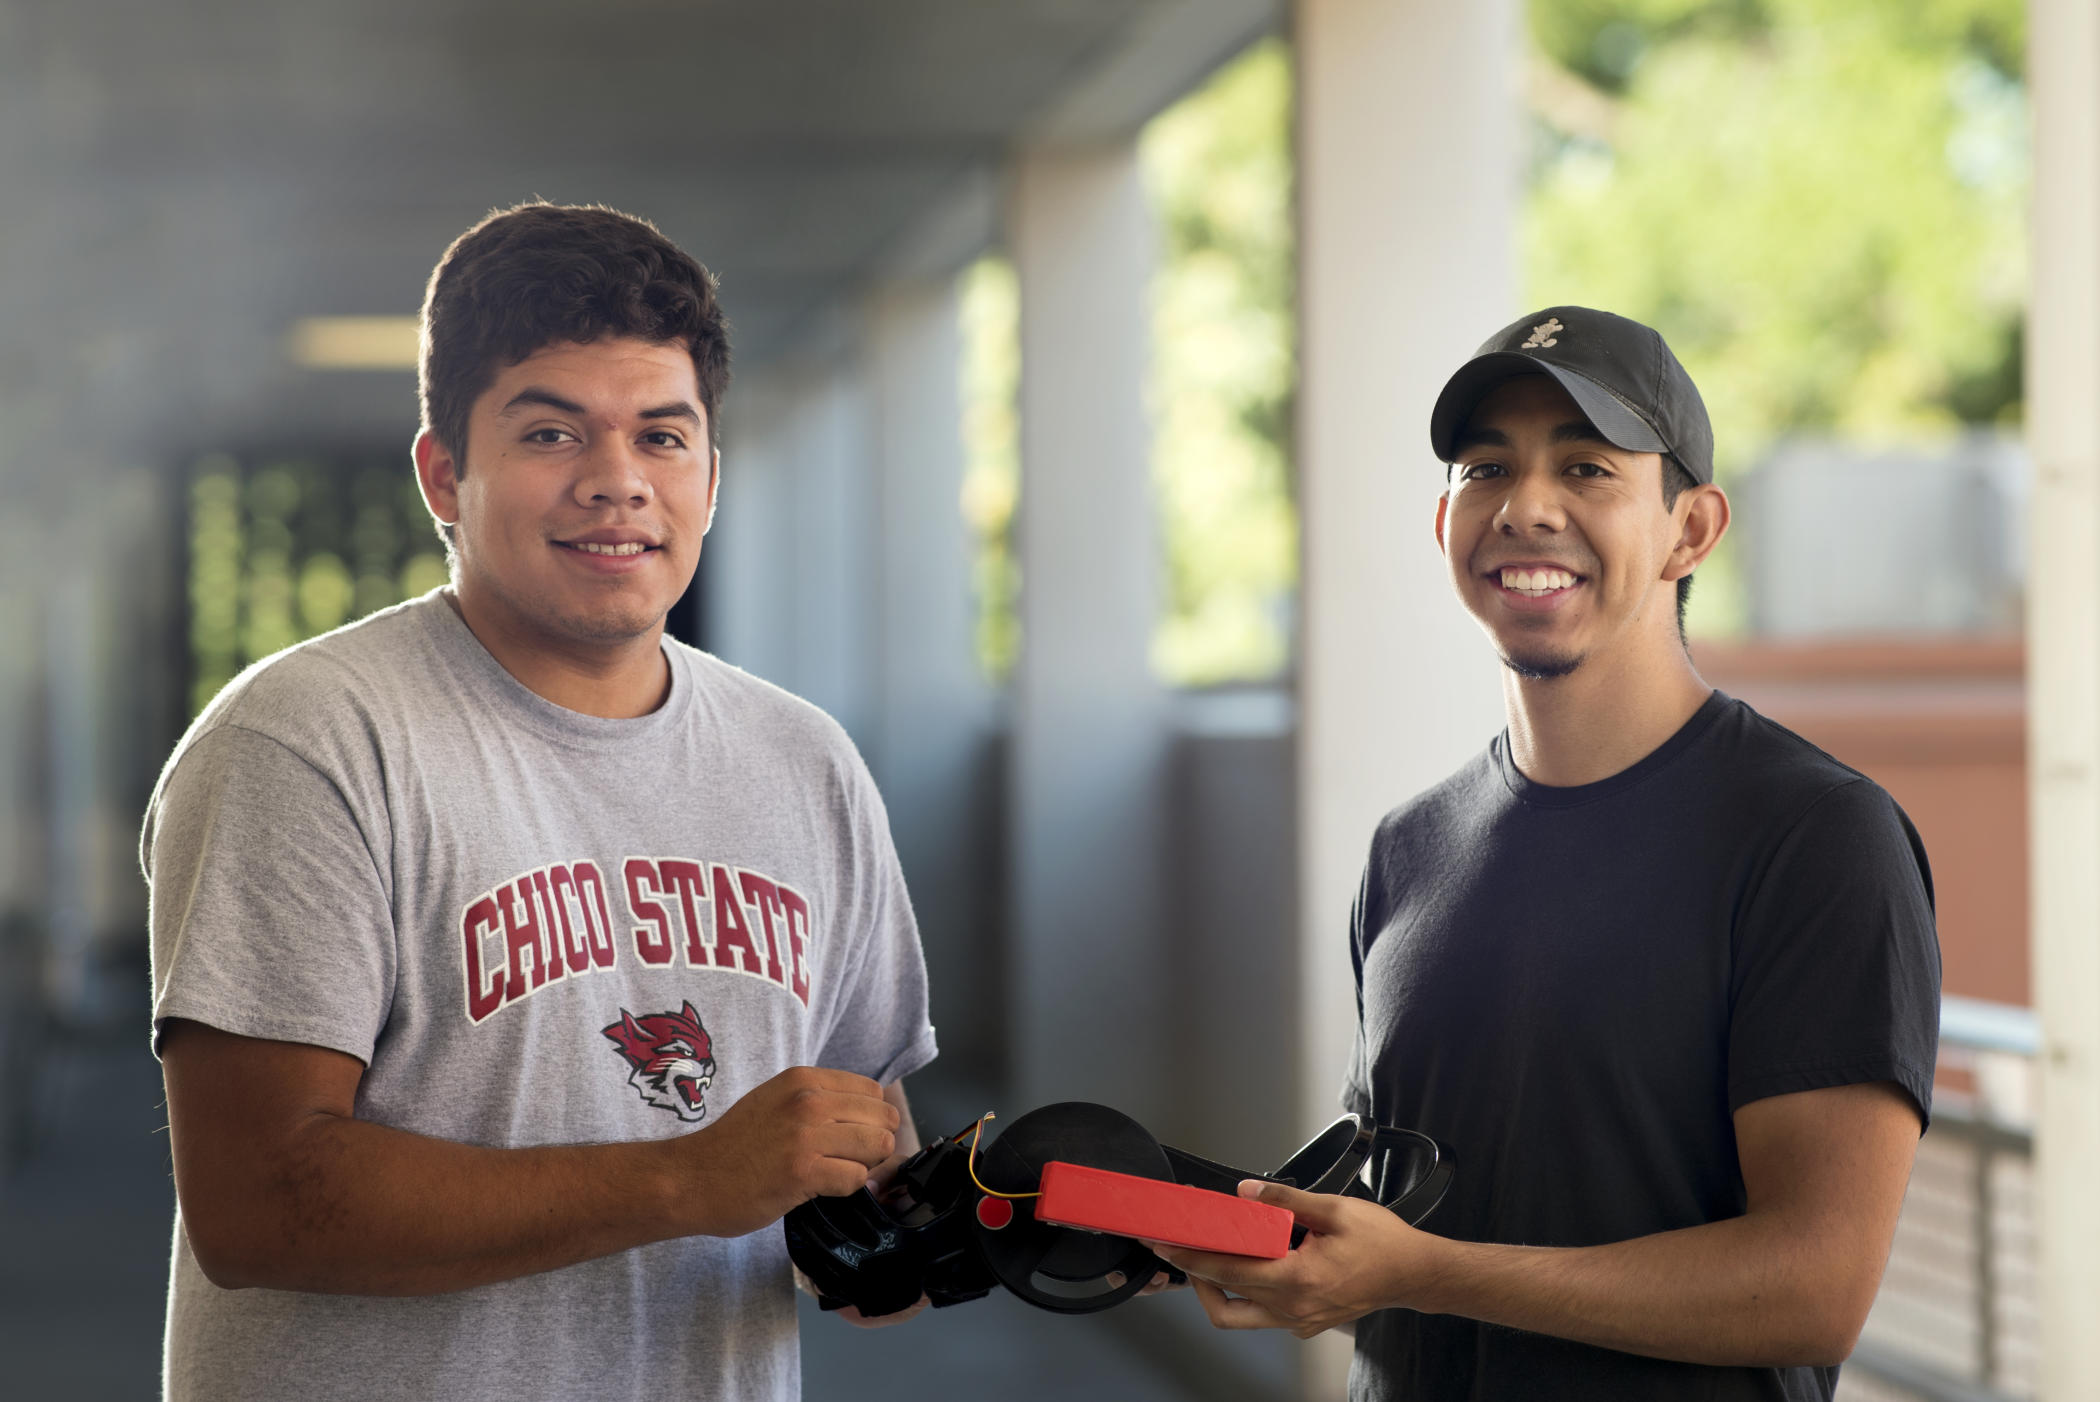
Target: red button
994, 1212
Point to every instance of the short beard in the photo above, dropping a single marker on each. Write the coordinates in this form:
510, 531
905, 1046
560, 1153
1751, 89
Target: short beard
1540, 669
587, 627
604, 628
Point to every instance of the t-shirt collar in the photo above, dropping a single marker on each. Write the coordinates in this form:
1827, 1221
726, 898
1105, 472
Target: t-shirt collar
1569, 796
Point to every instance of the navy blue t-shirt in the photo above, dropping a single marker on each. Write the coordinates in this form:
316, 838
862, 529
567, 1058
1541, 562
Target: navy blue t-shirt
1575, 988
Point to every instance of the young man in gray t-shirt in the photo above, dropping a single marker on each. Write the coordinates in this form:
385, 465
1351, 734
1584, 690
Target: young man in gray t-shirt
516, 967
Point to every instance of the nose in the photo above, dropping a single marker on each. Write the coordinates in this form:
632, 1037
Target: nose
613, 473
1532, 503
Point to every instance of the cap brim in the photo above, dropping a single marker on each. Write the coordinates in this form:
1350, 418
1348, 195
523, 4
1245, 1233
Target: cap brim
1463, 392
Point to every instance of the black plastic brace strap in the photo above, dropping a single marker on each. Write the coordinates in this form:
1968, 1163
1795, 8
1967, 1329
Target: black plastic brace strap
1399, 1169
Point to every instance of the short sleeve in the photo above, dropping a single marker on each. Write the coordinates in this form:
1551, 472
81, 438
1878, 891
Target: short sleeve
1836, 973
881, 1028
269, 915
1356, 1079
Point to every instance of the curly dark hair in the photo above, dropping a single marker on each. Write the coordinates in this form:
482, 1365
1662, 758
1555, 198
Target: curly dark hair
539, 274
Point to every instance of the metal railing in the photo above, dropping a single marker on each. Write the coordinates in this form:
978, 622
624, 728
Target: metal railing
1956, 1317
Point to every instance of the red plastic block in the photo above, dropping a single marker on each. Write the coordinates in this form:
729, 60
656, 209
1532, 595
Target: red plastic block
1122, 1205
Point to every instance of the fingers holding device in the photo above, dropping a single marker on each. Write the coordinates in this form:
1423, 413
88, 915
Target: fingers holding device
1058, 1207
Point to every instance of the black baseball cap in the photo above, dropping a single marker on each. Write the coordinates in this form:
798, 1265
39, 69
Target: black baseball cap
1619, 372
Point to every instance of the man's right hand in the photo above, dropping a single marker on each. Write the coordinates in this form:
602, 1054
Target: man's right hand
808, 1132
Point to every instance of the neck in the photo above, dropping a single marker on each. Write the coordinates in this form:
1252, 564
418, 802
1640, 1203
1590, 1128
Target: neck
1604, 717
615, 681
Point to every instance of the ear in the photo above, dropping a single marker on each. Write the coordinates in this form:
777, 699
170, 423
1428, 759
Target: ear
437, 477
1443, 505
1705, 514
690, 1013
714, 491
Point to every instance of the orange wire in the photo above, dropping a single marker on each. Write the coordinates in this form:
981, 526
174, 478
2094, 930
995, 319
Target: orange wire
971, 1163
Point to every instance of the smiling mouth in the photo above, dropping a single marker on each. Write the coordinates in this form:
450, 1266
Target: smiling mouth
1537, 583
588, 547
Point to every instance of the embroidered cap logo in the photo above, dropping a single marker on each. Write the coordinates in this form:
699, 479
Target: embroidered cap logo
1546, 333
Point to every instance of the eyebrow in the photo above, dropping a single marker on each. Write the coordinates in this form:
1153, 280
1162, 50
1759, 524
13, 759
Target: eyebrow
1573, 431
534, 395
547, 398
1580, 431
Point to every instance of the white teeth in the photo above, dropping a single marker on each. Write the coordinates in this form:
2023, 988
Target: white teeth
1534, 583
593, 548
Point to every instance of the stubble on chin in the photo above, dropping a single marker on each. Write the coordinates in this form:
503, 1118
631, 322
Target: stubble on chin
552, 618
1540, 667
603, 626
1527, 655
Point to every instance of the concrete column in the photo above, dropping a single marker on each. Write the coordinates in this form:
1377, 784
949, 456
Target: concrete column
22, 810
794, 557
69, 755
831, 562
1406, 216
2063, 661
929, 733
747, 602
1088, 981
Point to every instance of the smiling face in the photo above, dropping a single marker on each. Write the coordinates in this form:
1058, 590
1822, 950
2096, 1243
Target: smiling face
588, 483
1559, 543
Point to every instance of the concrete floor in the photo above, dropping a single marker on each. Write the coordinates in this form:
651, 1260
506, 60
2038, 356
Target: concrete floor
84, 1233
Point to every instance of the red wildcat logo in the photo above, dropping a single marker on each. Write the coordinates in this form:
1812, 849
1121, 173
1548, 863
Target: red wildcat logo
672, 1056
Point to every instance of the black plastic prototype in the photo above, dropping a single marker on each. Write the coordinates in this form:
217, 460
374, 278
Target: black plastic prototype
938, 1233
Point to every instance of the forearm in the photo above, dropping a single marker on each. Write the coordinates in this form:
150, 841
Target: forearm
1787, 1283
346, 1206
1755, 1291
278, 1191
907, 1129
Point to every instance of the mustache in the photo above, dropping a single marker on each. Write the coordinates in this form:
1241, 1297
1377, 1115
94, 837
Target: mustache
1582, 565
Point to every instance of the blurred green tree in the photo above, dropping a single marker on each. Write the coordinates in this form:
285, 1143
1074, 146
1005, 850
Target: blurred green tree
1218, 167
990, 302
286, 549
1820, 203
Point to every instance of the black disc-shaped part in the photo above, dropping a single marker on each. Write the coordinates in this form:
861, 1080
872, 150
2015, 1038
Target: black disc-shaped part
1061, 1268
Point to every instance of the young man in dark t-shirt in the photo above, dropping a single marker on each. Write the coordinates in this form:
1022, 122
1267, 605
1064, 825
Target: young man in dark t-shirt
1661, 974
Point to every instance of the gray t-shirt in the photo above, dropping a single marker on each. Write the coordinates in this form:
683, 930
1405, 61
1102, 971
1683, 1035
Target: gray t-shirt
534, 927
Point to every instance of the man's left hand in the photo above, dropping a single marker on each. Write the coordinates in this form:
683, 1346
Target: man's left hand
1356, 1257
